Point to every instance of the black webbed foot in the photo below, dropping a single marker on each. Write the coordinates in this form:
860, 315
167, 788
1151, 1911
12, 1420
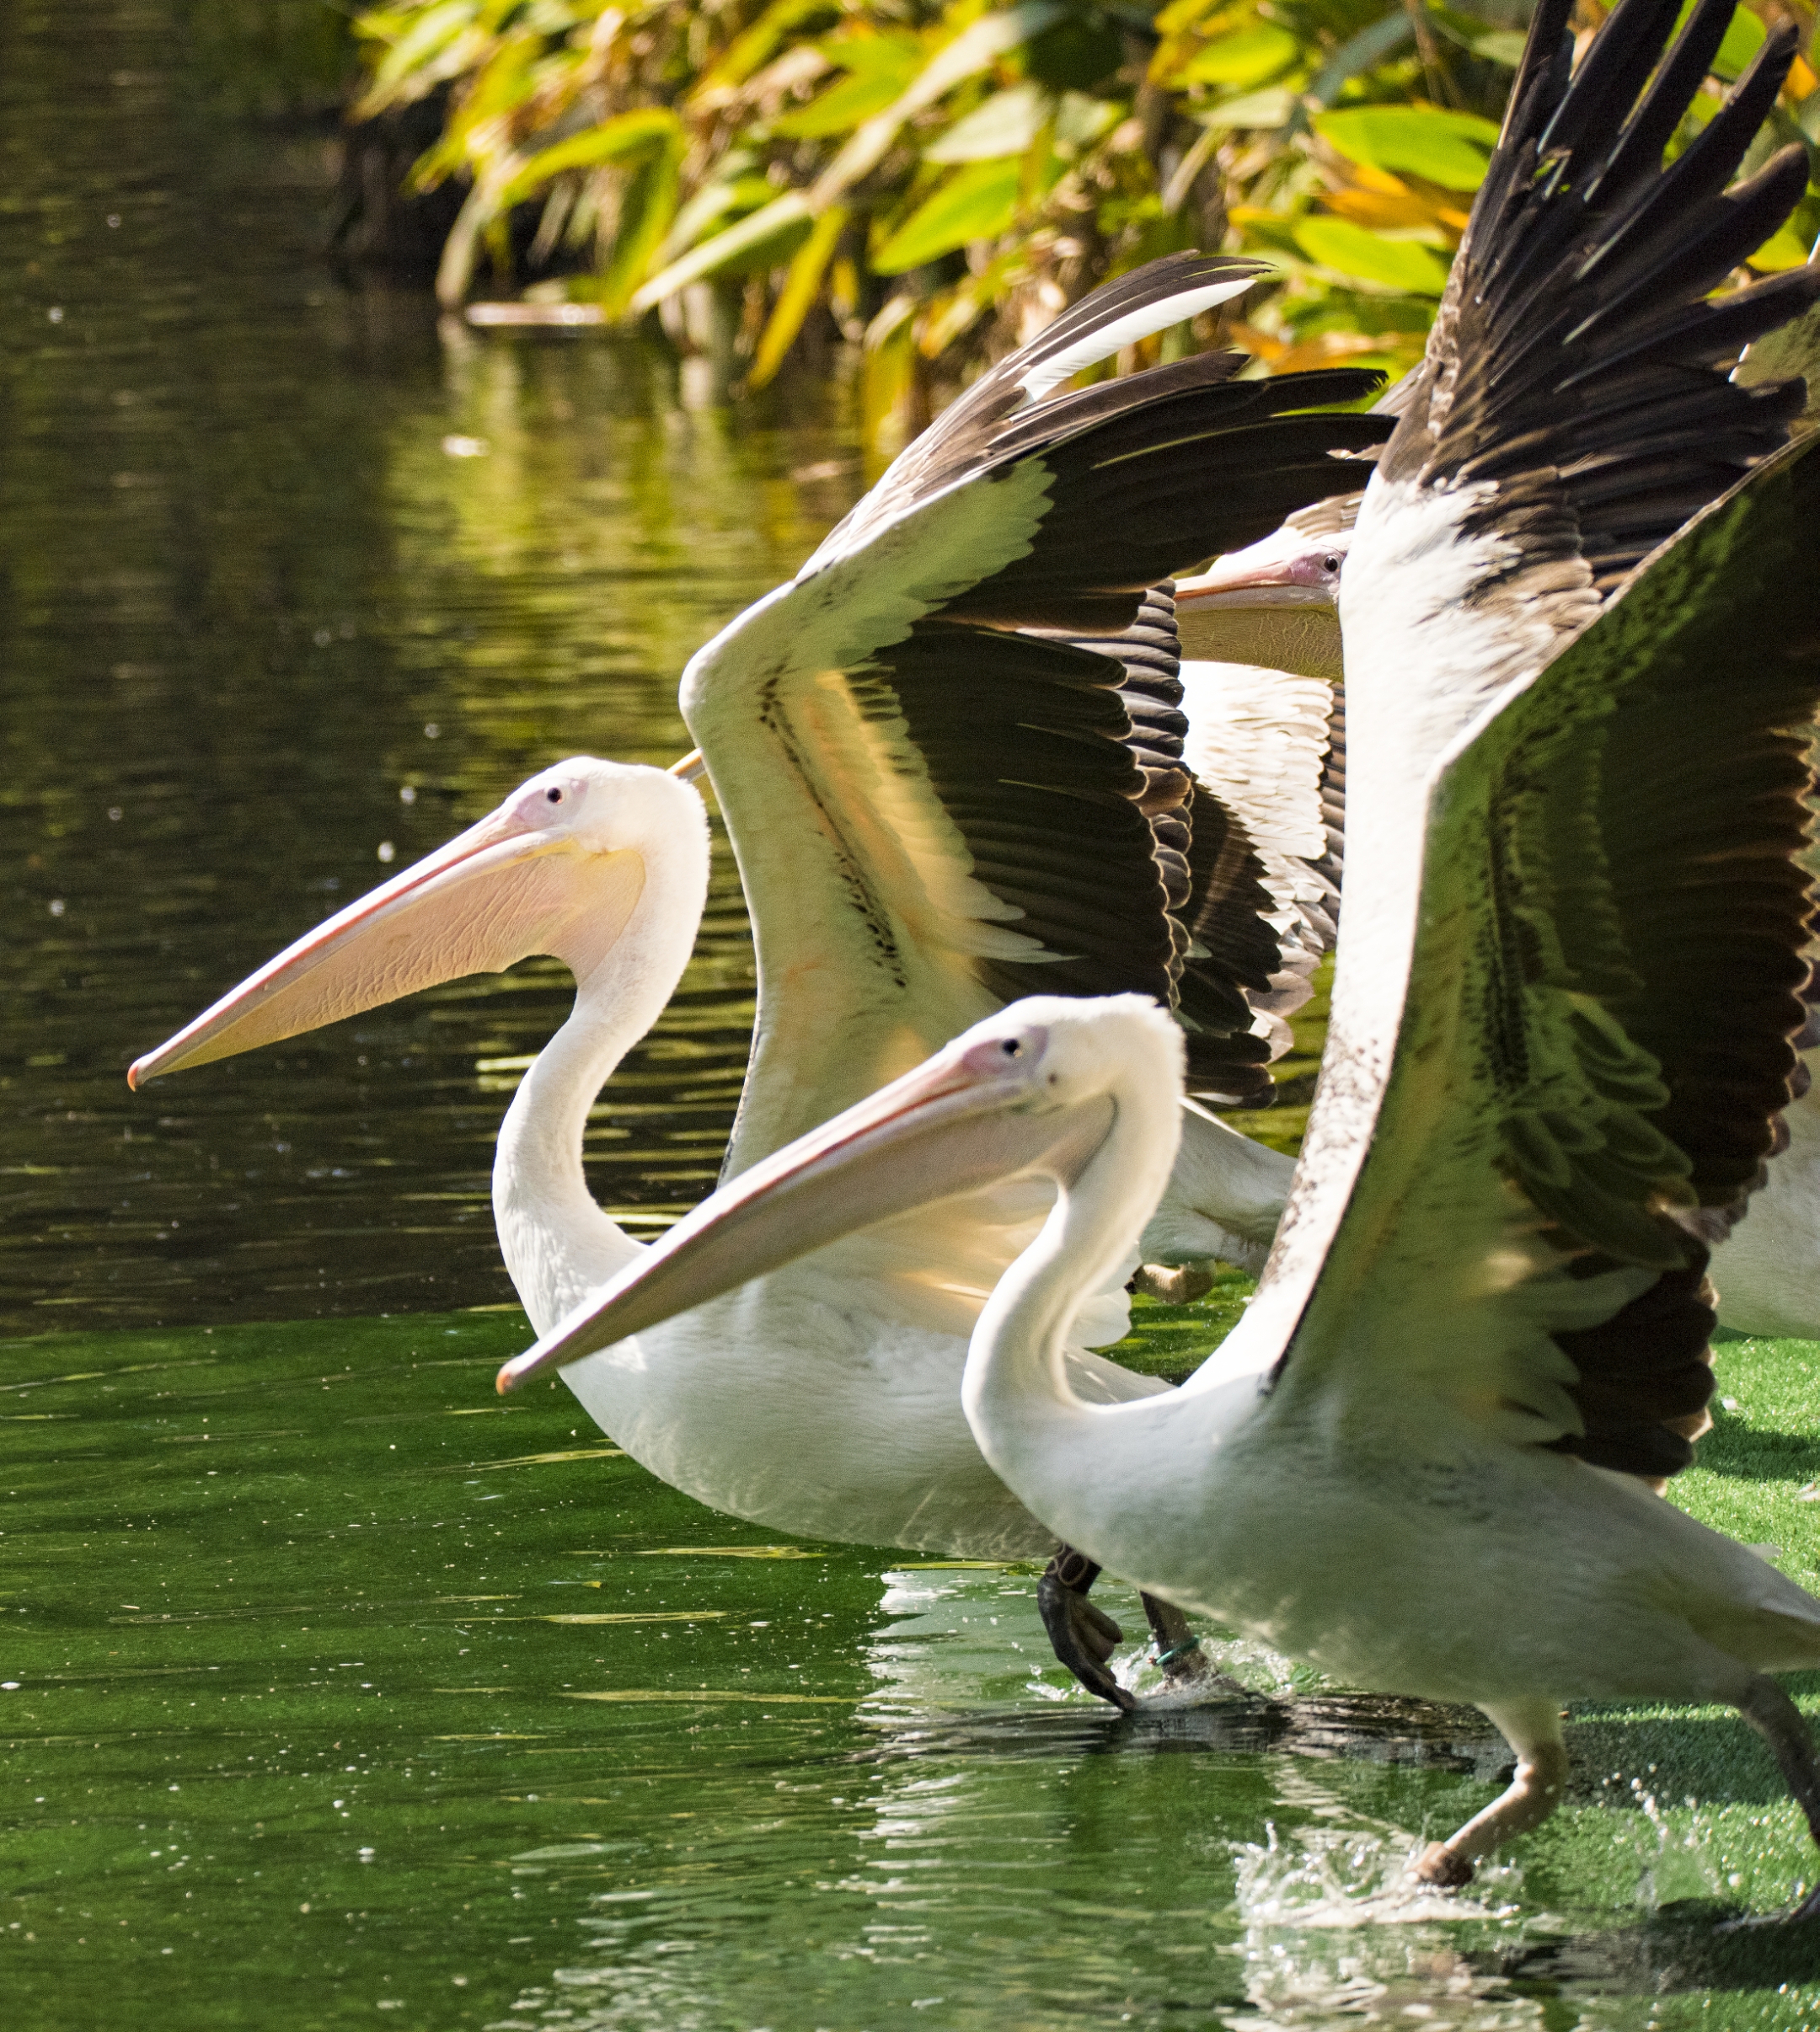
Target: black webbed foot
1178, 1649
1081, 1635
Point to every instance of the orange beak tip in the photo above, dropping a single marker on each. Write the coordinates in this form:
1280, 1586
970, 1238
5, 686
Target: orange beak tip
132, 1075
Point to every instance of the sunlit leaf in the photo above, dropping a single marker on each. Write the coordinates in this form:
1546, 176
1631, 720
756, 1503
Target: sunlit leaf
802, 285
841, 108
871, 54
788, 214
1273, 108
416, 49
629, 138
1006, 124
747, 52
1351, 250
1251, 56
1080, 119
974, 50
1447, 148
1784, 249
647, 207
975, 203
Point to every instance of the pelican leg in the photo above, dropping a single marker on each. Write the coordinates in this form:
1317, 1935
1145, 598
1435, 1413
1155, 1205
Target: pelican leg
1781, 1724
1081, 1635
1178, 1649
1532, 1729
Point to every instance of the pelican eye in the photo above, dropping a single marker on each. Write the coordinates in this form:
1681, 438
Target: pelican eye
1012, 1048
553, 794
1330, 562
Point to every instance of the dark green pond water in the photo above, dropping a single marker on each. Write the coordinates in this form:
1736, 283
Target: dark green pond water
335, 1693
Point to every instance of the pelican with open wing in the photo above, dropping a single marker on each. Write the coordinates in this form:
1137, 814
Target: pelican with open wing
948, 753
1571, 978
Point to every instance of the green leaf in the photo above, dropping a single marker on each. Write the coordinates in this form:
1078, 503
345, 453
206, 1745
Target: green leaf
748, 51
1783, 248
975, 203
1273, 107
1371, 46
791, 213
1249, 57
433, 29
647, 207
628, 137
802, 285
894, 57
1080, 120
1006, 124
841, 108
1743, 40
1451, 149
1351, 250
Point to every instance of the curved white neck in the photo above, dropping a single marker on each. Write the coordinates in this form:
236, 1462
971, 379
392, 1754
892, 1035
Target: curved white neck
1029, 1425
558, 1244
1107, 1478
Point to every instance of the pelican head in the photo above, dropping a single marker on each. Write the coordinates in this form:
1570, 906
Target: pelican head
1038, 1089
1293, 566
558, 867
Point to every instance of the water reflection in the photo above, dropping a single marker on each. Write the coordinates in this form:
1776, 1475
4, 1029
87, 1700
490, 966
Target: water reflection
296, 586
318, 1669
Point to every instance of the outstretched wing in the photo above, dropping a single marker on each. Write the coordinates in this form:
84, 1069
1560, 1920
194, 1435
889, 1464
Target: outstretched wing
1573, 409
1604, 994
939, 798
1567, 975
1267, 747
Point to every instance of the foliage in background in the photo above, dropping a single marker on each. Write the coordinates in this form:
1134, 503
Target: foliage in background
273, 59
936, 182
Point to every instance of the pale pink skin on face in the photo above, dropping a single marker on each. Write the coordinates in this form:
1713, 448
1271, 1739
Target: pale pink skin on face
1287, 557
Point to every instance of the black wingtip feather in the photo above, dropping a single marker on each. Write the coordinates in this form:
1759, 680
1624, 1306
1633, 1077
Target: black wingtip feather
1585, 288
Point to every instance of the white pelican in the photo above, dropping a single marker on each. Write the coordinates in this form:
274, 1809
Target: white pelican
939, 795
1569, 980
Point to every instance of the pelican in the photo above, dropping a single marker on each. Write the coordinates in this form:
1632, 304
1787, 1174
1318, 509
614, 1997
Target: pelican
1570, 975
949, 758
1261, 691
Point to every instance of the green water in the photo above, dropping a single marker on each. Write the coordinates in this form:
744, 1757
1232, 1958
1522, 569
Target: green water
334, 1692
336, 1687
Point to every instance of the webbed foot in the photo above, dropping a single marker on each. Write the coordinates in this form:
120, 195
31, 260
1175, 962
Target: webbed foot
1082, 1636
1443, 1866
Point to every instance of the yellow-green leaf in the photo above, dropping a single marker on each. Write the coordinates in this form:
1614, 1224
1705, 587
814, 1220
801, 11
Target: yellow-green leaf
747, 51
871, 54
1249, 57
1450, 149
1006, 124
789, 213
1351, 250
1270, 108
1783, 248
841, 108
975, 203
647, 207
802, 284
628, 137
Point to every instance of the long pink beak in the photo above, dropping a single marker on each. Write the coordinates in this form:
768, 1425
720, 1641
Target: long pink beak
1285, 567
467, 908
964, 1120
